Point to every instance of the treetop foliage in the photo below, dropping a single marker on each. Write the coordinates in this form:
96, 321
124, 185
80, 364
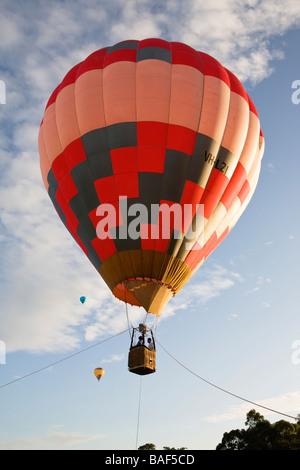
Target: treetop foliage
260, 434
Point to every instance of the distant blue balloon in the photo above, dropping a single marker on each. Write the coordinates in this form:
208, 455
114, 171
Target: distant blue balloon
82, 299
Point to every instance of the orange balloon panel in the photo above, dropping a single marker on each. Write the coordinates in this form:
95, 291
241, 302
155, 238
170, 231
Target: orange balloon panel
150, 151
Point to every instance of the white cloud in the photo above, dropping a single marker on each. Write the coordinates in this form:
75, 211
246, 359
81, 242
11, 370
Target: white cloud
214, 280
238, 33
270, 167
233, 316
260, 282
10, 31
269, 242
286, 403
113, 358
59, 22
51, 441
251, 291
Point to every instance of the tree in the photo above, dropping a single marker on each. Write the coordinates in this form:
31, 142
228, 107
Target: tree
148, 446
174, 448
262, 435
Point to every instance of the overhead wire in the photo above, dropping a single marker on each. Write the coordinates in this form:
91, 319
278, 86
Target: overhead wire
61, 360
222, 389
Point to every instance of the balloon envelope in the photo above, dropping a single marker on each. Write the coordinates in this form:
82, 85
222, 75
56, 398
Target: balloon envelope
82, 300
134, 135
99, 372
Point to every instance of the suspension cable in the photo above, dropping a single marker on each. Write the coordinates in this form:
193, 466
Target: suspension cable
222, 389
129, 324
61, 360
138, 417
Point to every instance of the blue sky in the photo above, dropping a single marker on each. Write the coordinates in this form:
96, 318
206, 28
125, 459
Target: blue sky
236, 323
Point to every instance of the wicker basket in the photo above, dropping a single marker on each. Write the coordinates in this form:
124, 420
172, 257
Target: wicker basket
141, 360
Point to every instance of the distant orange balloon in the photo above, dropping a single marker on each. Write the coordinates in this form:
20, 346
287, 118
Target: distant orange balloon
157, 124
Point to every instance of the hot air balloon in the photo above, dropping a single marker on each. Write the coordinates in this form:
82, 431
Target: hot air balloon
82, 299
99, 372
133, 135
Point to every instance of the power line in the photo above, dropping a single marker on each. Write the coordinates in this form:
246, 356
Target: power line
60, 360
222, 389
